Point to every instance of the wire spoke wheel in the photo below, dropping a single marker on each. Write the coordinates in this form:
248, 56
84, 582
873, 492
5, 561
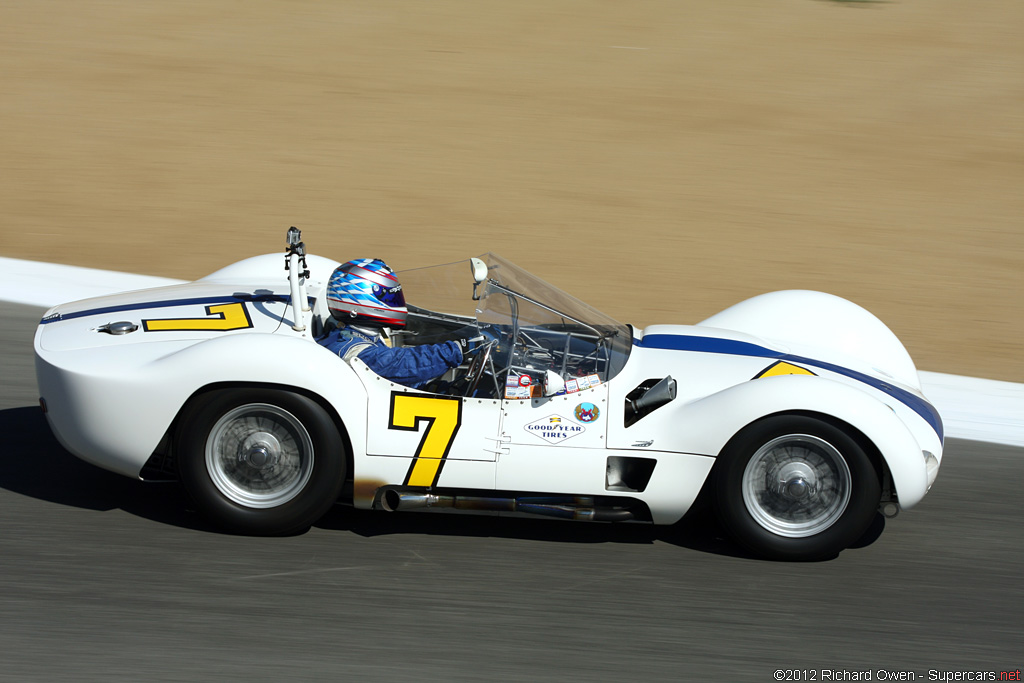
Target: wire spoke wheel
259, 455
796, 485
262, 460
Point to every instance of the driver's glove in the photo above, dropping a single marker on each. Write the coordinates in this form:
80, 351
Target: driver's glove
488, 335
468, 346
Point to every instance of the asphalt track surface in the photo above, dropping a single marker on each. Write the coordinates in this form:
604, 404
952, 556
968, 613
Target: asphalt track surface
104, 578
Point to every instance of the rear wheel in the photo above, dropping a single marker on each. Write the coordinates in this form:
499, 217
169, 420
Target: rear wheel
796, 488
260, 461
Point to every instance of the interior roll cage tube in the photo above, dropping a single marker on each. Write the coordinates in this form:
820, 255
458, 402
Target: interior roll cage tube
600, 338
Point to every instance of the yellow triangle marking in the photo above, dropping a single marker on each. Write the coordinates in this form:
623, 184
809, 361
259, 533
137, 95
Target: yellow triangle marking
783, 368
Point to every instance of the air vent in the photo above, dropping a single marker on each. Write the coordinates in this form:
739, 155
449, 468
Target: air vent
628, 474
647, 397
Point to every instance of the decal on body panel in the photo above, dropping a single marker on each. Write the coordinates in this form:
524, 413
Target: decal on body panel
782, 368
587, 412
581, 383
518, 387
224, 318
554, 429
443, 417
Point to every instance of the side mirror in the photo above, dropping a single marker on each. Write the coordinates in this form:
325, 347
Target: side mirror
553, 383
479, 270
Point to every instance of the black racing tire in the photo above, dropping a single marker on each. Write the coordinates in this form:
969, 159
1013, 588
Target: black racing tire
260, 461
795, 487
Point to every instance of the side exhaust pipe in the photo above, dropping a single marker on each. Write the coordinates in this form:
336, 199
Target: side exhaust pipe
580, 508
393, 500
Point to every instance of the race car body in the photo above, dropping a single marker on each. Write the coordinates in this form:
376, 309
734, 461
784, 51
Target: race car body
799, 413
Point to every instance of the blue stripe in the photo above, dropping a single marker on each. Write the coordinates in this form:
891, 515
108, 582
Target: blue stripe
732, 347
205, 301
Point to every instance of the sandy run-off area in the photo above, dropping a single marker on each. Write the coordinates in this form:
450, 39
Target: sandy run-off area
660, 159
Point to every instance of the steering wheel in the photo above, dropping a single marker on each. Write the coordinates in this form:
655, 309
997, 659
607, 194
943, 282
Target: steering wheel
477, 366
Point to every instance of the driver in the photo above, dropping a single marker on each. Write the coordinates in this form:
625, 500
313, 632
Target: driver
364, 296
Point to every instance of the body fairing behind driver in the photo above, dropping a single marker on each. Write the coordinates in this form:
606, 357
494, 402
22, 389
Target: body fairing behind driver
364, 296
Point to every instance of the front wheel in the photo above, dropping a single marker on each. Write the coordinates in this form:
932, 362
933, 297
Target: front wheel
260, 461
795, 488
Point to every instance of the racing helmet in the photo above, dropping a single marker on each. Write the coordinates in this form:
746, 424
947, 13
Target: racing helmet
366, 291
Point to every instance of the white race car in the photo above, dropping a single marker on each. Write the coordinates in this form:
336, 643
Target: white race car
800, 413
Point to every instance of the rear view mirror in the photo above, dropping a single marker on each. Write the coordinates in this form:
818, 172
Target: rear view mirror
479, 270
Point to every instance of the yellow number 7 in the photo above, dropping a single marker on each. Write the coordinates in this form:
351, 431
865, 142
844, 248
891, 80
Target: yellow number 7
443, 416
225, 317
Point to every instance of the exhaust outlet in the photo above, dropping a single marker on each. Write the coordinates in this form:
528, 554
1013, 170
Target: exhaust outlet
393, 500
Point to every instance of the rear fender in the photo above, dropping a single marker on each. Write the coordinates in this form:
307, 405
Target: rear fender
116, 416
270, 268
287, 362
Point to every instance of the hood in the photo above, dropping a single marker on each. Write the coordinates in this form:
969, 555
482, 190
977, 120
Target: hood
193, 311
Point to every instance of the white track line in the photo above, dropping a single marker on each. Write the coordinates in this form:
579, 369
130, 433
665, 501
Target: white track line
977, 409
48, 284
971, 408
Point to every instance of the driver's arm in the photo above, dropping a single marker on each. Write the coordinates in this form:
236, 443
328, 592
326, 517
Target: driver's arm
412, 366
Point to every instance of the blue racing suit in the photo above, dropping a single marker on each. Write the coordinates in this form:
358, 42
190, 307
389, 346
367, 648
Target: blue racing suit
412, 366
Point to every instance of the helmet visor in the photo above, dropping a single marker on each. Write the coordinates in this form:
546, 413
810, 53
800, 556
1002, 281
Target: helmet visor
392, 297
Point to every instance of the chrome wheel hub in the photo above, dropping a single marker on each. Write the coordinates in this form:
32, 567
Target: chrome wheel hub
796, 481
259, 455
261, 450
796, 485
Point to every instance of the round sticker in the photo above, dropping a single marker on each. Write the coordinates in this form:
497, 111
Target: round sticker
587, 412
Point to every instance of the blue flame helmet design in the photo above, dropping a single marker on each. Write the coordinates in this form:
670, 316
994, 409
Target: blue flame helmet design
366, 291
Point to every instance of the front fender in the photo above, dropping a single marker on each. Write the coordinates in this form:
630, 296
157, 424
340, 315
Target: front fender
706, 425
